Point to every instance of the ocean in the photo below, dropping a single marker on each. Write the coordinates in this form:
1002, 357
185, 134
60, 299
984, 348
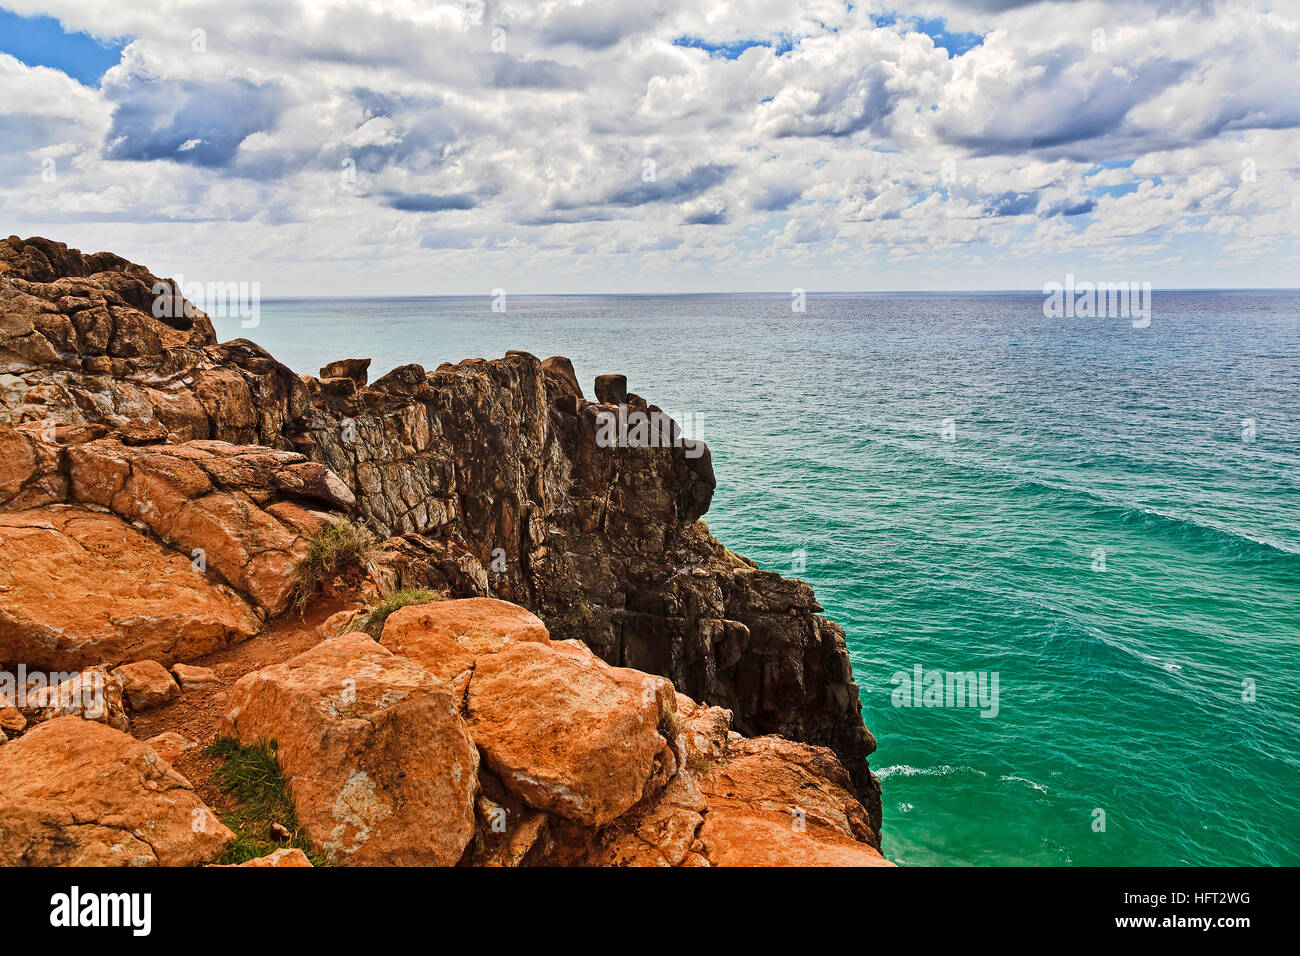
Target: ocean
1104, 520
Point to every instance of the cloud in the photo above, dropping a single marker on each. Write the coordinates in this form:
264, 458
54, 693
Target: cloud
818, 141
187, 121
425, 202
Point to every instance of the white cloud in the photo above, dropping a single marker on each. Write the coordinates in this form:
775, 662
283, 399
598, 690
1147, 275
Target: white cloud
454, 147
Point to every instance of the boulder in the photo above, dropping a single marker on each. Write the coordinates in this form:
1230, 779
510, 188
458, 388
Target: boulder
77, 793
446, 637
283, 857
146, 684
12, 720
567, 732
93, 695
221, 503
142, 431
83, 588
377, 758
611, 389
774, 802
193, 678
356, 369
311, 480
170, 745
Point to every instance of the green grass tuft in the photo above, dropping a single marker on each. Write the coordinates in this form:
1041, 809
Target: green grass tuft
373, 623
334, 548
252, 776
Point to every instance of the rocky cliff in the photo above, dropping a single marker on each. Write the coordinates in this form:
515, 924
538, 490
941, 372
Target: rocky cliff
180, 483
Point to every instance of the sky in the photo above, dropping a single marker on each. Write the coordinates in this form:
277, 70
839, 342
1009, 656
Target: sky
336, 147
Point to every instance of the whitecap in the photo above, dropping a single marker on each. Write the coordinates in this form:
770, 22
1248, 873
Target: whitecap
1029, 783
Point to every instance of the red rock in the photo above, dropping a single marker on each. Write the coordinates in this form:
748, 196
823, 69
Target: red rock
446, 637
12, 720
147, 685
192, 678
83, 588
342, 622
565, 731
93, 694
77, 793
774, 802
379, 763
283, 857
170, 745
142, 431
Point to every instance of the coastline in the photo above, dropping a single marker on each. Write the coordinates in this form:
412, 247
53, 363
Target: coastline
483, 480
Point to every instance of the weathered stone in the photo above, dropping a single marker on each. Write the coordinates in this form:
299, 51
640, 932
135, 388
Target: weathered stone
567, 732
376, 756
355, 369
193, 678
93, 695
446, 637
146, 684
774, 802
310, 480
170, 745
77, 793
12, 720
285, 856
611, 389
83, 588
142, 431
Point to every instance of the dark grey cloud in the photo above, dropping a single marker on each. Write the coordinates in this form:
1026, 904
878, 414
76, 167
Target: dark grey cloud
597, 25
427, 202
186, 121
512, 72
706, 218
696, 181
776, 198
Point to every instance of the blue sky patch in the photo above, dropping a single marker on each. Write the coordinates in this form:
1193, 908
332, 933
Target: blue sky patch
1108, 164
731, 51
936, 29
1123, 189
41, 41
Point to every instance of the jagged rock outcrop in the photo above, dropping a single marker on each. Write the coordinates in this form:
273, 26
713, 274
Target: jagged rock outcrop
80, 342
488, 477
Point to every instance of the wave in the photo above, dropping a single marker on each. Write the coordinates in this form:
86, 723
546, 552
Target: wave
1156, 520
1129, 511
1011, 778
904, 770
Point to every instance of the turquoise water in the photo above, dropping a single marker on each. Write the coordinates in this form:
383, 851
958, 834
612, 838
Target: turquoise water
1123, 690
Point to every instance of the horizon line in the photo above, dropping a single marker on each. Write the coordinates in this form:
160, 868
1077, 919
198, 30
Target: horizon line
787, 293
